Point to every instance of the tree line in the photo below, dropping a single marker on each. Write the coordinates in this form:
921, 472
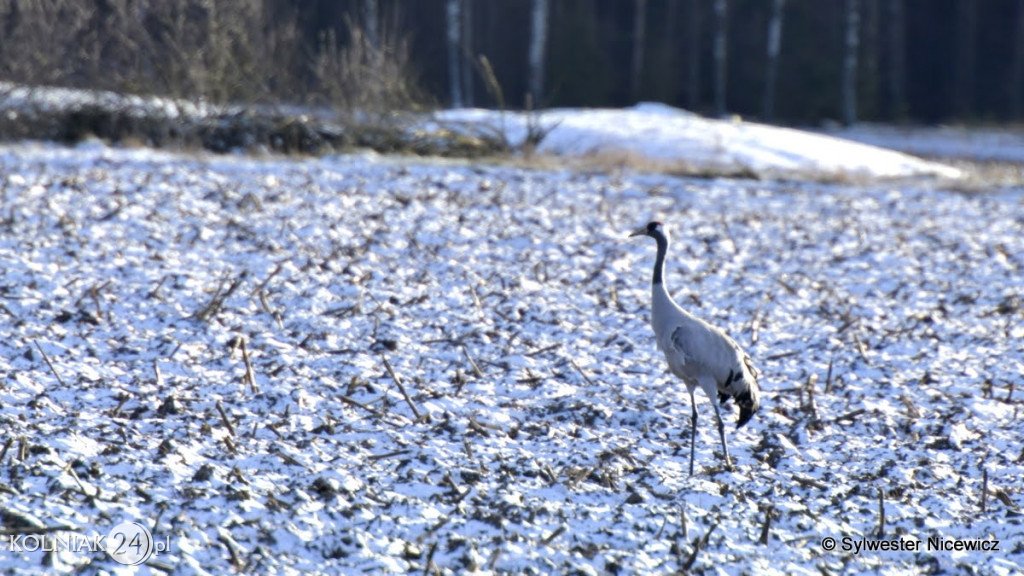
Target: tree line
795, 61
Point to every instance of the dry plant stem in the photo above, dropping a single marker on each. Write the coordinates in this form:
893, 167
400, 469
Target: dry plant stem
555, 534
50, 364
881, 513
224, 418
401, 388
582, 373
472, 363
250, 374
766, 528
217, 301
430, 559
698, 545
34, 530
984, 491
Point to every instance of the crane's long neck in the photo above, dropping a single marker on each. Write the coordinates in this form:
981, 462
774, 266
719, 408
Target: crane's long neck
657, 280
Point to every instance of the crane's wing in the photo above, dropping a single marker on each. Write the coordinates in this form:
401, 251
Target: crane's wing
709, 352
706, 354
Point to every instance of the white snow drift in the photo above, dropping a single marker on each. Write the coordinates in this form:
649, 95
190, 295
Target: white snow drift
667, 138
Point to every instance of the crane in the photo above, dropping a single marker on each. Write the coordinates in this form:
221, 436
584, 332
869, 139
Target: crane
697, 352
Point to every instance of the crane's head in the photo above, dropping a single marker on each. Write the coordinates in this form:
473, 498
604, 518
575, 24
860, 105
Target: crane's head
651, 229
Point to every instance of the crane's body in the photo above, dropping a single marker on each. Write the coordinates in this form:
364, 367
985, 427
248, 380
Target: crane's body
700, 354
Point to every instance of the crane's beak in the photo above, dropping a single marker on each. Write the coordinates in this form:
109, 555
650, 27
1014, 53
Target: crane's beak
641, 231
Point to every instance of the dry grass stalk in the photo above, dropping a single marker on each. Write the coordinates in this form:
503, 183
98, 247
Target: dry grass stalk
250, 373
217, 301
224, 418
50, 364
582, 373
698, 545
387, 455
7, 446
984, 491
767, 526
554, 534
881, 513
472, 363
429, 565
401, 388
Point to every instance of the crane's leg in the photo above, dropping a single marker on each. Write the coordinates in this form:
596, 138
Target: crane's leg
721, 432
693, 429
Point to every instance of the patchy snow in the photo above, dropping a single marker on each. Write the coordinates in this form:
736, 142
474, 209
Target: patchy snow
218, 328
667, 138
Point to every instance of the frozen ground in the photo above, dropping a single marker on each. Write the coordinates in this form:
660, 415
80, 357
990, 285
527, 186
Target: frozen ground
199, 343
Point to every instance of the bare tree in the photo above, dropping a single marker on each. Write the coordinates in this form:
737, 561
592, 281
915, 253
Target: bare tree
453, 13
1017, 68
664, 70
693, 64
538, 48
964, 71
869, 97
897, 60
467, 53
639, 39
371, 22
772, 63
720, 54
851, 45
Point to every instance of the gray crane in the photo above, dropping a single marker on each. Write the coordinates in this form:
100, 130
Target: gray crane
699, 353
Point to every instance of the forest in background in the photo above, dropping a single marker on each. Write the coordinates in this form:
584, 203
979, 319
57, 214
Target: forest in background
791, 61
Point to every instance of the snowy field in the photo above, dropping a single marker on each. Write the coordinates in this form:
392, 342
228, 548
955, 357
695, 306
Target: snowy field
363, 365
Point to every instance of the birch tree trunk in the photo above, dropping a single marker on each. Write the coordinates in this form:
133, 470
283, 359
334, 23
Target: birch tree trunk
851, 46
453, 13
720, 55
538, 49
772, 62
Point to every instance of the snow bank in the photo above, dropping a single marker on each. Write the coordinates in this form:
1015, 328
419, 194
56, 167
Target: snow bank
669, 138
